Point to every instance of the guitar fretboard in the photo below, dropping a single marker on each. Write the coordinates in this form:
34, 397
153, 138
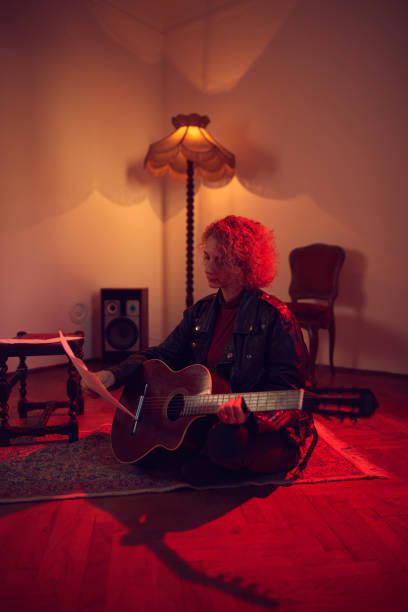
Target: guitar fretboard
263, 401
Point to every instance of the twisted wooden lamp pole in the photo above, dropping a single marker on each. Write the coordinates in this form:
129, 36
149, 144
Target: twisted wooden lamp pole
190, 234
190, 149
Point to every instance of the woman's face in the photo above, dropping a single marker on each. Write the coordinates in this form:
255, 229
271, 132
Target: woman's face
219, 273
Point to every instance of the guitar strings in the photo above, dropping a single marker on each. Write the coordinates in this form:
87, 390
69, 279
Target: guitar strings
255, 396
195, 405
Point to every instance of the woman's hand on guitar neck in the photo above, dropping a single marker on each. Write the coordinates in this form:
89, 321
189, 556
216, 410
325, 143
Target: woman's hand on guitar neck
106, 377
231, 412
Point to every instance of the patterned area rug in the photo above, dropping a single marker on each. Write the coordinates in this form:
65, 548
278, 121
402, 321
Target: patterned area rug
58, 469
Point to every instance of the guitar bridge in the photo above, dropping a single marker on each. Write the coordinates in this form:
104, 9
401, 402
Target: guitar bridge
139, 410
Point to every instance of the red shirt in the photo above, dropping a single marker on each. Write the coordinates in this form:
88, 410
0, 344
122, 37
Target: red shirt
222, 333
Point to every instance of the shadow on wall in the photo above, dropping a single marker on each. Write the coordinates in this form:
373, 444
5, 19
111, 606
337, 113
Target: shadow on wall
351, 292
357, 335
317, 114
351, 296
368, 344
313, 107
71, 105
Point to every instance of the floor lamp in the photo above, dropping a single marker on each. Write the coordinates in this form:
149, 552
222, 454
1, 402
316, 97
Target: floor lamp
188, 151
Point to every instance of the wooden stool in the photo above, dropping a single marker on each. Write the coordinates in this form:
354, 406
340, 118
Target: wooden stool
30, 345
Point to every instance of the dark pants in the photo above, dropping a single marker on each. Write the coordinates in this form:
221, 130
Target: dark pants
235, 448
238, 447
212, 450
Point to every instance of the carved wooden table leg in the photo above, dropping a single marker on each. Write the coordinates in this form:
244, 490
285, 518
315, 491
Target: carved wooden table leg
4, 408
72, 392
78, 352
22, 377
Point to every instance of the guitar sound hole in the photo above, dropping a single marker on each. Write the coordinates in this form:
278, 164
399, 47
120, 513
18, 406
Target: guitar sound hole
175, 407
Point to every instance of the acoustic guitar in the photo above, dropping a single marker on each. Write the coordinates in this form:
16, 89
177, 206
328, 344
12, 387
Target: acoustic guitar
165, 403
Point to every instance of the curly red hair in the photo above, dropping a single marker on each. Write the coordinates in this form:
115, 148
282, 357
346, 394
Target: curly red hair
247, 245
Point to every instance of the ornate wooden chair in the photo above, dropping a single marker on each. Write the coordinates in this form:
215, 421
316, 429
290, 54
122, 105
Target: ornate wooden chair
315, 273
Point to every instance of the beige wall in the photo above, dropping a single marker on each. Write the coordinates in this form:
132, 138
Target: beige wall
77, 211
317, 121
311, 97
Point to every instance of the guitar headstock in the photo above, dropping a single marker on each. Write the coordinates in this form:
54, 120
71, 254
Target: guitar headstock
341, 402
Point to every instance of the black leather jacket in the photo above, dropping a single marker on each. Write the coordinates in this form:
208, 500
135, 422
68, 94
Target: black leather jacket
266, 351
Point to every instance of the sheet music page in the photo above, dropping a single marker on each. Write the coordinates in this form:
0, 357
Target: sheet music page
23, 340
91, 381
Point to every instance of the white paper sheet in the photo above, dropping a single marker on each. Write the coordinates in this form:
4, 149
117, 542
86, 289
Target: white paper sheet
91, 381
22, 340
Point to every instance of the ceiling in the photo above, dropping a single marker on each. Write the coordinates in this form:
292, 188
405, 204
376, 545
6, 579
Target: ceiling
164, 15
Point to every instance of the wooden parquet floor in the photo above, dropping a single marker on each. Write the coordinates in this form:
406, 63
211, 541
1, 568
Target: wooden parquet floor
325, 547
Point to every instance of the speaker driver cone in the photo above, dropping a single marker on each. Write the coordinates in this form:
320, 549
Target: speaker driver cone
122, 333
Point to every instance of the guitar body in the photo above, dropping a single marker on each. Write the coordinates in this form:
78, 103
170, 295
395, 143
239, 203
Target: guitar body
157, 425
165, 403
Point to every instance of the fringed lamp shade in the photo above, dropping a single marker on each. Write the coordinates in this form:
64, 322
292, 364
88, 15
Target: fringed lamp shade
190, 142
190, 150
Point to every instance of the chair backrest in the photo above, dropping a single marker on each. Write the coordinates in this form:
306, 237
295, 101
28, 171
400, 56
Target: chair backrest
315, 272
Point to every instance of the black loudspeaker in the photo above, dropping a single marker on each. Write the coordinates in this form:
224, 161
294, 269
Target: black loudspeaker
124, 317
